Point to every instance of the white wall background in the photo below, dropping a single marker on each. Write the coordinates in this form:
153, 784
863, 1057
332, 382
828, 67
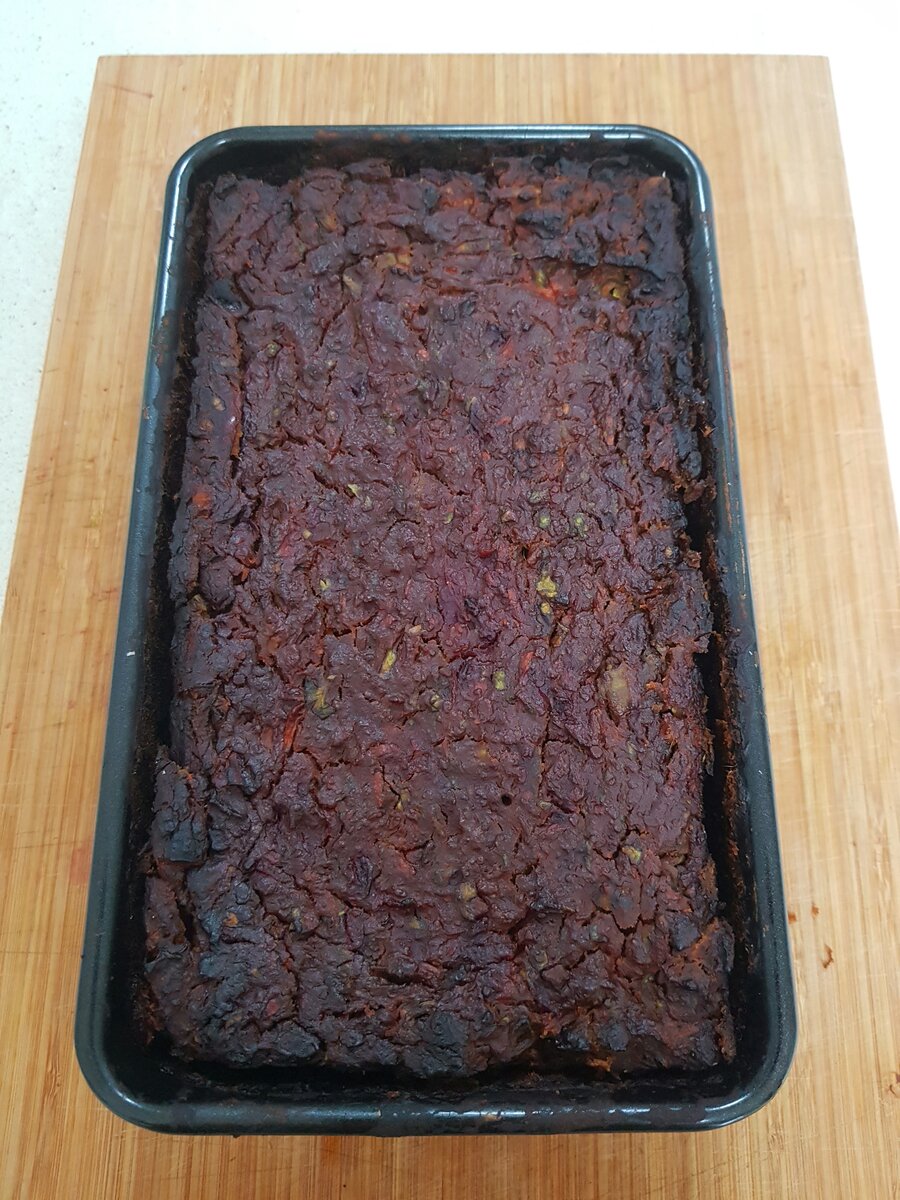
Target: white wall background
49, 48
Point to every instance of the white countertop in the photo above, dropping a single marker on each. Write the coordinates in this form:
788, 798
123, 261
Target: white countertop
50, 51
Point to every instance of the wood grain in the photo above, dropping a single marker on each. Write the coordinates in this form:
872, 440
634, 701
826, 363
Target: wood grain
824, 556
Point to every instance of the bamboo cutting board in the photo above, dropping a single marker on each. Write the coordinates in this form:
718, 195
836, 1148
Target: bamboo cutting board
823, 549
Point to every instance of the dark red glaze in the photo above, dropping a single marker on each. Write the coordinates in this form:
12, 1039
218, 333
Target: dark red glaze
433, 794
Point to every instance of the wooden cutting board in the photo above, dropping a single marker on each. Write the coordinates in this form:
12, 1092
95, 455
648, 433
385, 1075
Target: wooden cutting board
823, 547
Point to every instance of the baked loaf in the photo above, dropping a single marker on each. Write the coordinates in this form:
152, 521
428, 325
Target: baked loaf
432, 799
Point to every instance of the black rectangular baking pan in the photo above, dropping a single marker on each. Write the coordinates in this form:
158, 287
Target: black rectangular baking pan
151, 1087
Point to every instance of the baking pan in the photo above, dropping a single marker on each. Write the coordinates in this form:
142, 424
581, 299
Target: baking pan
151, 1087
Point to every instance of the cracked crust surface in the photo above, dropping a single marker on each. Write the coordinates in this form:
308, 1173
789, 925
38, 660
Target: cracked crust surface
433, 794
